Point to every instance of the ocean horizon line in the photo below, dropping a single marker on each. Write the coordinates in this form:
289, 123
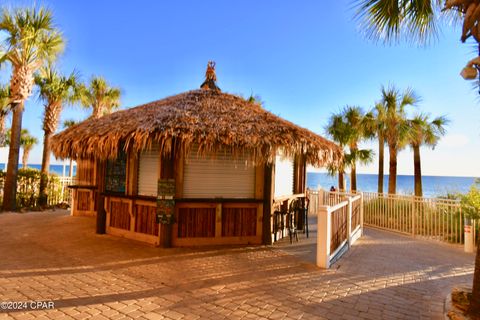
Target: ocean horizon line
398, 175
3, 165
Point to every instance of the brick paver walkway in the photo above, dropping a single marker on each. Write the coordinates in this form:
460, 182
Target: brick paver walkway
55, 257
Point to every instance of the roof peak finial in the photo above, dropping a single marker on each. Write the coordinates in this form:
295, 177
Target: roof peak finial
210, 78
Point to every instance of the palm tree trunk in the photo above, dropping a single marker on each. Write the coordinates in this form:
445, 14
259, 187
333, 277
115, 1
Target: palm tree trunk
26, 152
10, 188
353, 177
3, 117
341, 181
417, 171
381, 155
392, 172
42, 200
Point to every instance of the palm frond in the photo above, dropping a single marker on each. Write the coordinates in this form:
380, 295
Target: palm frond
422, 131
394, 20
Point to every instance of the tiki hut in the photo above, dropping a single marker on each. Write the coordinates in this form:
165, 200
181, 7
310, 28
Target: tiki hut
199, 168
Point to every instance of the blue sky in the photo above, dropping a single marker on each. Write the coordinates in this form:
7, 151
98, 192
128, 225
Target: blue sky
306, 59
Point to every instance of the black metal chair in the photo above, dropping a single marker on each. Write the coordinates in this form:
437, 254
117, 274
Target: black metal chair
306, 204
293, 214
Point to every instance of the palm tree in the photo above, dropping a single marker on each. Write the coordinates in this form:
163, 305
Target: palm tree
31, 40
99, 96
4, 109
68, 124
349, 128
55, 90
377, 123
256, 99
424, 132
337, 129
396, 127
27, 142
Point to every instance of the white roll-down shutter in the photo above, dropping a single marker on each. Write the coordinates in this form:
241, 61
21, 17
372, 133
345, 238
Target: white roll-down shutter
148, 167
218, 176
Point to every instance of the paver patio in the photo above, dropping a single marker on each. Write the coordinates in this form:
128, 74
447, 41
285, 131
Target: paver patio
51, 256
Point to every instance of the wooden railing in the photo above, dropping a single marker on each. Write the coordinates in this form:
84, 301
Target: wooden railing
439, 219
338, 226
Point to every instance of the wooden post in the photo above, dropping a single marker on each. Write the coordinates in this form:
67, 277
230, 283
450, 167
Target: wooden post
413, 216
72, 202
100, 179
101, 214
218, 221
361, 213
349, 221
323, 237
267, 204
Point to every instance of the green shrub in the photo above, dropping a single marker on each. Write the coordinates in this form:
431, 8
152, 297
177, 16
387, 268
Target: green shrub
471, 202
28, 186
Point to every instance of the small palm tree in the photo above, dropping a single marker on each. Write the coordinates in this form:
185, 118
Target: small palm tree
424, 132
55, 90
349, 128
256, 99
27, 142
396, 127
31, 40
68, 124
99, 96
4, 109
338, 130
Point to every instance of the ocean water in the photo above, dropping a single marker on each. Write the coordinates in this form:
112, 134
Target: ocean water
54, 168
433, 186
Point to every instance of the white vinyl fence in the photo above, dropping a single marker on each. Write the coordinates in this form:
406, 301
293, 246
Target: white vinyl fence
429, 218
28, 190
437, 219
63, 194
339, 224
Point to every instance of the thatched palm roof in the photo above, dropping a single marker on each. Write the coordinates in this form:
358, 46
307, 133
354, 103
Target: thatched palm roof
209, 118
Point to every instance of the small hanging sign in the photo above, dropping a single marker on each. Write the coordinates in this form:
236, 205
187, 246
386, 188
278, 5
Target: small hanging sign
165, 201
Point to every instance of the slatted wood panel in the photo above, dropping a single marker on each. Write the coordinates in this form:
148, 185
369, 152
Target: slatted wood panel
356, 207
83, 200
239, 222
338, 228
196, 222
145, 219
119, 215
86, 172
